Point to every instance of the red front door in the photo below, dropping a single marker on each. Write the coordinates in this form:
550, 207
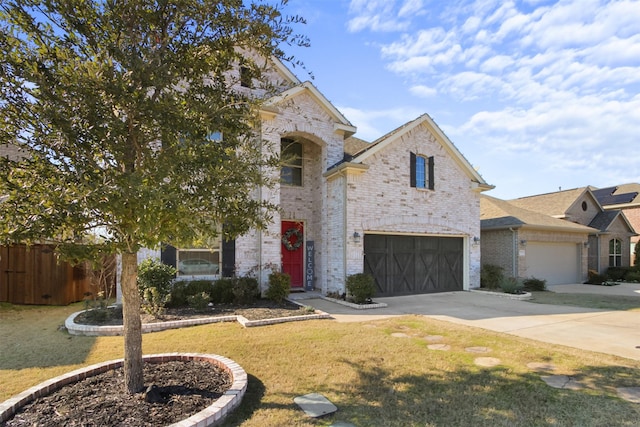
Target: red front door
292, 250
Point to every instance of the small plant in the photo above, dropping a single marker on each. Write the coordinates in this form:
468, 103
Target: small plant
491, 276
594, 278
154, 283
511, 285
245, 290
222, 291
279, 287
533, 284
199, 301
361, 287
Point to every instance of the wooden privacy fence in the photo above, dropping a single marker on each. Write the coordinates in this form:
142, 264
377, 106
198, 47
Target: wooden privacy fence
34, 275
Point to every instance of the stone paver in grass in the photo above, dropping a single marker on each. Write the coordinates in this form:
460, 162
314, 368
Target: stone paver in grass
441, 347
630, 394
315, 405
487, 362
434, 338
478, 350
562, 381
541, 366
400, 335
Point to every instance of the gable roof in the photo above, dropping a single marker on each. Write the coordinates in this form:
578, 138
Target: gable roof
427, 121
497, 214
341, 124
625, 195
605, 219
554, 204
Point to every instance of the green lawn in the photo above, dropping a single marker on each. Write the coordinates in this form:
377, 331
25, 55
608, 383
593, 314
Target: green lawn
606, 302
374, 378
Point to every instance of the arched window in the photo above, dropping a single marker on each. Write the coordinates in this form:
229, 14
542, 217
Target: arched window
615, 253
291, 155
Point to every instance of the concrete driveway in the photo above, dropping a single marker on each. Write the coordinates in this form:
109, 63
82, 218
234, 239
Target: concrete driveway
611, 332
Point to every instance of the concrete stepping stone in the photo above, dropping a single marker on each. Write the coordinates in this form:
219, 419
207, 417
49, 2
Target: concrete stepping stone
562, 381
630, 394
541, 366
487, 362
400, 335
441, 347
478, 350
434, 338
315, 405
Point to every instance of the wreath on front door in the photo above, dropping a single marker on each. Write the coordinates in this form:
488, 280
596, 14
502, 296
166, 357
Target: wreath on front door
288, 243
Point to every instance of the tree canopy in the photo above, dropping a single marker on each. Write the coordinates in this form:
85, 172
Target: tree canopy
129, 123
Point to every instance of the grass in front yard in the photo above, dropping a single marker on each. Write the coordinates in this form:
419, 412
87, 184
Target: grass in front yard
606, 302
374, 378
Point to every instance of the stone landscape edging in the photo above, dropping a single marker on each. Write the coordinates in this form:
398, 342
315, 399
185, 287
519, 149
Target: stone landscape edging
111, 330
520, 297
211, 415
354, 305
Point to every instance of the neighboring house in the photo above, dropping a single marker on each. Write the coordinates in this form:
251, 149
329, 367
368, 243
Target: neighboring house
531, 244
405, 208
608, 246
625, 197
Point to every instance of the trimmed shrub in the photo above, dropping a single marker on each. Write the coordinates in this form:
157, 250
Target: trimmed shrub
632, 276
361, 287
594, 278
245, 290
199, 301
636, 252
511, 285
616, 274
154, 283
491, 276
533, 284
222, 291
279, 287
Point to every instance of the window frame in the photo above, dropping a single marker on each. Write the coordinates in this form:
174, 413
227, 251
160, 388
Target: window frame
615, 252
421, 171
211, 251
297, 164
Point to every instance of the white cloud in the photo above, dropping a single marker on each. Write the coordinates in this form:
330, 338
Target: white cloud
423, 91
383, 15
368, 121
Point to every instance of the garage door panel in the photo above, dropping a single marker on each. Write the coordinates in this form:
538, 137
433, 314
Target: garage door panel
405, 265
557, 263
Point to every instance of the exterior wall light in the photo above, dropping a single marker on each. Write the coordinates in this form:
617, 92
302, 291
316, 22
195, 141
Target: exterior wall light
356, 237
523, 242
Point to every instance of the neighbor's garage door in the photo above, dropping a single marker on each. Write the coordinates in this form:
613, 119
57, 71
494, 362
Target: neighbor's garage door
557, 263
405, 265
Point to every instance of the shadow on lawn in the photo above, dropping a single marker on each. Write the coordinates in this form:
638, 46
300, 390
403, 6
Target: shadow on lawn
33, 337
482, 397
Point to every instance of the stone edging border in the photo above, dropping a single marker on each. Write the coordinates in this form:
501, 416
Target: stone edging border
209, 416
353, 305
112, 330
521, 297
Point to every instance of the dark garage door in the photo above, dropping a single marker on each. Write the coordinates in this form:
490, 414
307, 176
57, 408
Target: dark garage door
405, 265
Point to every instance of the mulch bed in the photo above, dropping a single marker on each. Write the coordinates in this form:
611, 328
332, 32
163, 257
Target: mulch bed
185, 388
259, 310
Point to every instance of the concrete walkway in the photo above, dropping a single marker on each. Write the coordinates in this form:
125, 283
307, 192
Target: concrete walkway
610, 332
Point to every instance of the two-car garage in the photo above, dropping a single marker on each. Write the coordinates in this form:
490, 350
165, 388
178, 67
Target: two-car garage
406, 264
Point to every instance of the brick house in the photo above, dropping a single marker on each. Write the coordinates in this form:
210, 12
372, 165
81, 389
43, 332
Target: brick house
569, 234
625, 197
404, 208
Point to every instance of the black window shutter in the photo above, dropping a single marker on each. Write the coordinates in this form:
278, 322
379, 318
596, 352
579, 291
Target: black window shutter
228, 257
168, 255
431, 174
412, 169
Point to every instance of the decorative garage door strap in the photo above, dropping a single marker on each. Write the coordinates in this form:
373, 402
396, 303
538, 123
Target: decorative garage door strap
286, 239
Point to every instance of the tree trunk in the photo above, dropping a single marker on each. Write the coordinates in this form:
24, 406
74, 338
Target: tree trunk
131, 301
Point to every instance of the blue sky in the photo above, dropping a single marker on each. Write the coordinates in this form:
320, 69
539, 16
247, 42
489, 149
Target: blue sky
537, 94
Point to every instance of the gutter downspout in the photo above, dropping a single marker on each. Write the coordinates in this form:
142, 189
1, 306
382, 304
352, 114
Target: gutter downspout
514, 247
344, 232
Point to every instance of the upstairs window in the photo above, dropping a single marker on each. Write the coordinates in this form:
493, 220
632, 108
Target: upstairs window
421, 171
291, 157
615, 253
245, 76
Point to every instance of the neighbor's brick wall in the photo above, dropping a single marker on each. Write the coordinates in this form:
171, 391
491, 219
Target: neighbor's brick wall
497, 248
577, 215
381, 200
633, 215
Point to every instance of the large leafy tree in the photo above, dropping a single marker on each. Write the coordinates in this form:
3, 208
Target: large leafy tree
114, 104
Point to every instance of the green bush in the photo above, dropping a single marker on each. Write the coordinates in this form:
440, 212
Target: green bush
222, 291
279, 287
199, 301
632, 276
491, 276
616, 274
245, 290
594, 278
511, 285
178, 294
636, 252
361, 287
154, 283
533, 284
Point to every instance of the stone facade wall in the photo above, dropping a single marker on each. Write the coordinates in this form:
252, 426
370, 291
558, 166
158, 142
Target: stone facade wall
633, 215
578, 215
498, 249
382, 200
